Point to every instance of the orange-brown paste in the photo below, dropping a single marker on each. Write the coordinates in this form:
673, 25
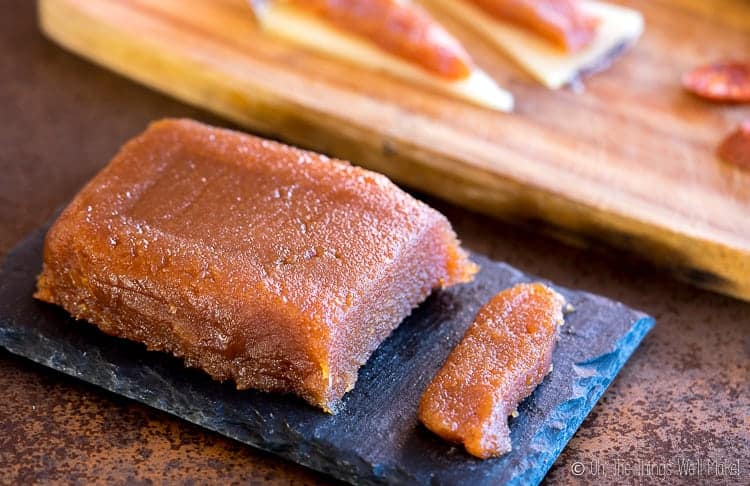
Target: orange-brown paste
400, 28
501, 359
559, 21
271, 266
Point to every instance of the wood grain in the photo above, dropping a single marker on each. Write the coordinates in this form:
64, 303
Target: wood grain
629, 162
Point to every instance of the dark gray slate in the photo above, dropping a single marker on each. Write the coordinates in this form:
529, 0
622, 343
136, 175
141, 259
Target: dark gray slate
375, 438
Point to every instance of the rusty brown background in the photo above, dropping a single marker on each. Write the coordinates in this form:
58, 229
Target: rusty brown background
684, 395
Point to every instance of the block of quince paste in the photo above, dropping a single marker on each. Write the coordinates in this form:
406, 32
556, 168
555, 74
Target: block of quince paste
501, 359
260, 263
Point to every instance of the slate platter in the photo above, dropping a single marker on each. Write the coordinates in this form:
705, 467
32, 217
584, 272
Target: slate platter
376, 438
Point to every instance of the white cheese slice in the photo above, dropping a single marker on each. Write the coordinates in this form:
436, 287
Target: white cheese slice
618, 27
313, 33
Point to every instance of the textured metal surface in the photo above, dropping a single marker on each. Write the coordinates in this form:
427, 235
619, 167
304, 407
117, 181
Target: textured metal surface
375, 437
684, 393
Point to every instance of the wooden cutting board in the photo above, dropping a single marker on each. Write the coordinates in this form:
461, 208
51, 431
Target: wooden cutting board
629, 161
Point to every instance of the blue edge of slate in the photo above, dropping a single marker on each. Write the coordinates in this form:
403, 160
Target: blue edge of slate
375, 438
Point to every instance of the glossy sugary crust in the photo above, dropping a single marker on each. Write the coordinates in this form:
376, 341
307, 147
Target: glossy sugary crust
400, 28
501, 359
277, 268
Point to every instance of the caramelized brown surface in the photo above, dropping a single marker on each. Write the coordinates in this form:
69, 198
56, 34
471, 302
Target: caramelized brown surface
501, 359
559, 21
278, 268
400, 28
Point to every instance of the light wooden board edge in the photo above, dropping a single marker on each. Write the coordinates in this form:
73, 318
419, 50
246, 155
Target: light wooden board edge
703, 262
